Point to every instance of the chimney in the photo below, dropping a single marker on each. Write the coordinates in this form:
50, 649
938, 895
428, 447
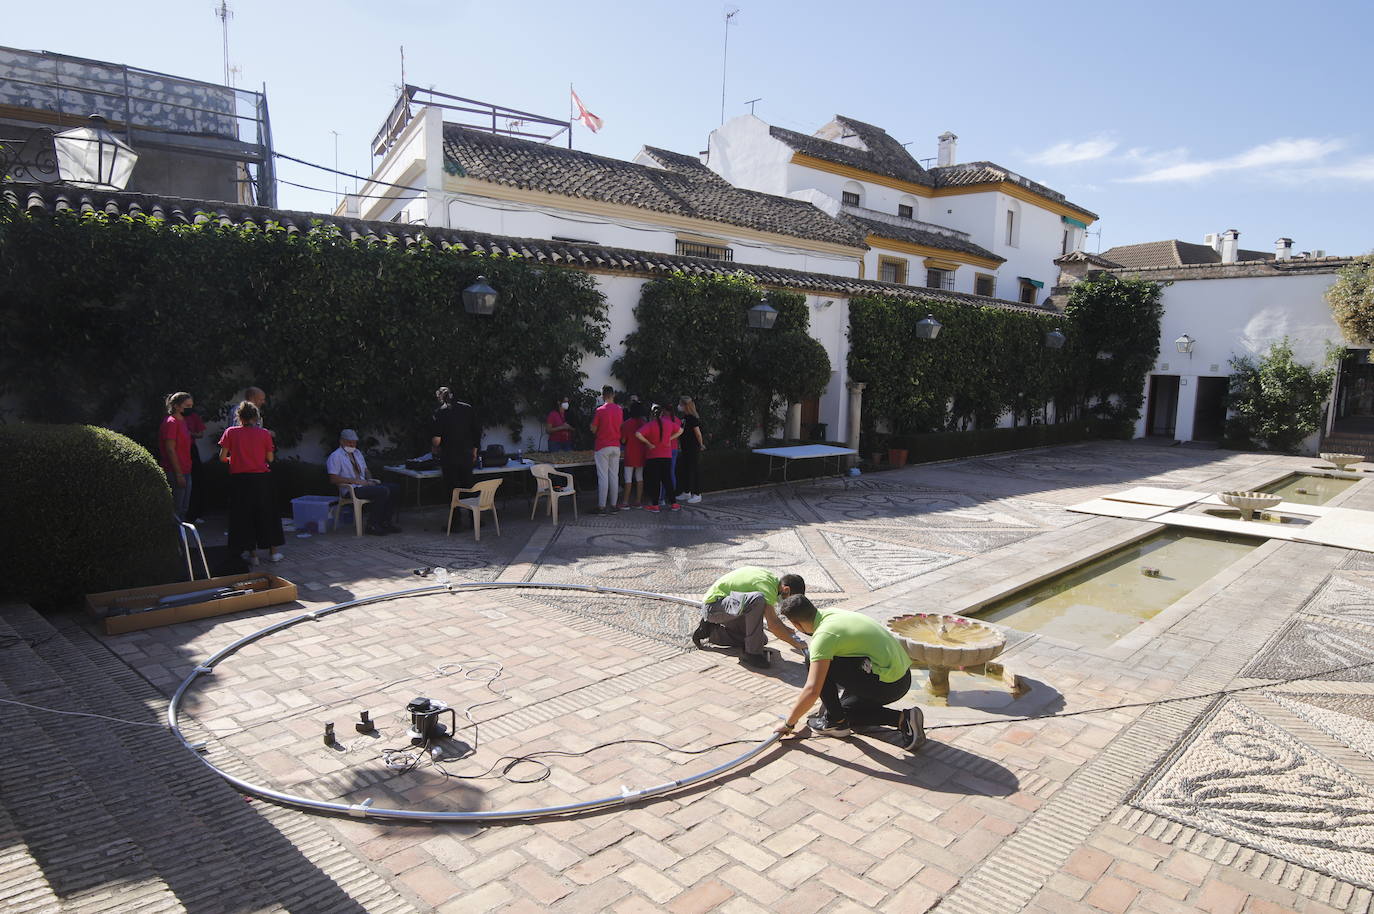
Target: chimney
1283, 249
946, 155
1230, 246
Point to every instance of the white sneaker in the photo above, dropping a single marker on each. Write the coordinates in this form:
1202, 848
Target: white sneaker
693, 499
250, 557
277, 557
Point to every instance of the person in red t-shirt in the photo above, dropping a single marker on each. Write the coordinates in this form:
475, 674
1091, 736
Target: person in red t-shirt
174, 448
658, 435
606, 427
634, 455
556, 424
254, 523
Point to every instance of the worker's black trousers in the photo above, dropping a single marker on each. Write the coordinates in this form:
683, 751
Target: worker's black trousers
857, 697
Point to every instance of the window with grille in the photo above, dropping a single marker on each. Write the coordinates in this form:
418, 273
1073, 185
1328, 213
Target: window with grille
849, 198
891, 270
983, 284
904, 211
710, 251
939, 279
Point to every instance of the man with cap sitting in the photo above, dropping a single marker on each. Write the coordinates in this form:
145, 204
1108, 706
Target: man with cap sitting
348, 467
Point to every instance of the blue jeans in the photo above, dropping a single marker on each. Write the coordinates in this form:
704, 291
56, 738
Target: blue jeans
181, 497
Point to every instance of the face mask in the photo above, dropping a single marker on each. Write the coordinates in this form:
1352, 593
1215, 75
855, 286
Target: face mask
349, 449
562, 406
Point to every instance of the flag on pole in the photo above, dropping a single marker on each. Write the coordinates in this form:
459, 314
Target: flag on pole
589, 120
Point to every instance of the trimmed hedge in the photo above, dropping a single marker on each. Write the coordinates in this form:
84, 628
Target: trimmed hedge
85, 510
950, 445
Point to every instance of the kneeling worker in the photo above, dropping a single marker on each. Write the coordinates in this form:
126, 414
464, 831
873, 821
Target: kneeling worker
740, 605
857, 667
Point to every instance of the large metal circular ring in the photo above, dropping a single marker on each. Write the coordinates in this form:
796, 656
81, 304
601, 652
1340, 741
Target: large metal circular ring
365, 809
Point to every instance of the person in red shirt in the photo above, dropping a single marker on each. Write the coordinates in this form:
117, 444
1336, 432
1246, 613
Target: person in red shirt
658, 435
556, 424
254, 523
174, 447
634, 455
606, 425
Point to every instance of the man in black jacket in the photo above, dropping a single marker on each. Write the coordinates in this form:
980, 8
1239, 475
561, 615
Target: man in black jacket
455, 436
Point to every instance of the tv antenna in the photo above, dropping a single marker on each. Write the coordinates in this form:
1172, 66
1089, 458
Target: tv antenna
730, 13
751, 101
224, 14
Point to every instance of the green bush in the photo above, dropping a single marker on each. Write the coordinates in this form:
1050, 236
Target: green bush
951, 445
1275, 400
85, 510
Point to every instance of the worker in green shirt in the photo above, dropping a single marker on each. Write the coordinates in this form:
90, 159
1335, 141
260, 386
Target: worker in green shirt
856, 669
740, 605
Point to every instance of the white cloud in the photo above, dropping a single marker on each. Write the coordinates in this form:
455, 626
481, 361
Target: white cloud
1069, 153
1354, 170
1302, 151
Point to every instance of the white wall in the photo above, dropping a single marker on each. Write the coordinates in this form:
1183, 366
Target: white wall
743, 152
1238, 316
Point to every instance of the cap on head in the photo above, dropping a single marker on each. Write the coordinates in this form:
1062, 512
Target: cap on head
348, 435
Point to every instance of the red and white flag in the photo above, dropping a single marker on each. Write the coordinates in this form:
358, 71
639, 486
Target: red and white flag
589, 120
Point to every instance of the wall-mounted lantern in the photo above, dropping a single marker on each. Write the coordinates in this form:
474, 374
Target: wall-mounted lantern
479, 298
928, 328
1184, 344
763, 315
1055, 339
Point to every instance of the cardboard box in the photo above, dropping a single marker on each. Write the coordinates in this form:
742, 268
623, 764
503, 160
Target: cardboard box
266, 590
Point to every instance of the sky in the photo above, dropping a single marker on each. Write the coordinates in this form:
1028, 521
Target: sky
1168, 119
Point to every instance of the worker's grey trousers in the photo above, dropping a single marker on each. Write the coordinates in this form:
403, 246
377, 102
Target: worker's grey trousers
739, 621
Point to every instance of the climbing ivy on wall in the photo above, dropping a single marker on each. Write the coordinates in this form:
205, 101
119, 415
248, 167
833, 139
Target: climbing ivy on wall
101, 316
988, 362
692, 339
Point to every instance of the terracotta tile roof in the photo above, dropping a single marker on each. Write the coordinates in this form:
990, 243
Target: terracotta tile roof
881, 155
1096, 260
682, 187
915, 235
592, 257
1172, 253
968, 173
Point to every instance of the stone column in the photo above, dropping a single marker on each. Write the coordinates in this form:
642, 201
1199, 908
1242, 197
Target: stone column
856, 401
793, 429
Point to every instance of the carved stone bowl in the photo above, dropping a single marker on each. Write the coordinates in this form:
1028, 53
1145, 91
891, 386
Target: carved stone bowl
940, 640
1247, 503
1342, 461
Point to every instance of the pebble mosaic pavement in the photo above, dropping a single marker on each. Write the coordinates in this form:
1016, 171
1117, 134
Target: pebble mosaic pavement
1259, 801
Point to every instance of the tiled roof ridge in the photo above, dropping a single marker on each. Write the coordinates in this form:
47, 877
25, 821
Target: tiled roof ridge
681, 187
917, 235
1293, 265
883, 155
62, 198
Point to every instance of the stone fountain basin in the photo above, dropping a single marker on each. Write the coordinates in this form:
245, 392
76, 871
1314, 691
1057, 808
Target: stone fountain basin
1342, 461
1247, 502
947, 641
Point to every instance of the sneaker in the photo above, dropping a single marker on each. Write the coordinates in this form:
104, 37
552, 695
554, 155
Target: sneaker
702, 633
913, 729
375, 531
675, 507
693, 498
758, 661
653, 508
277, 557
597, 511
824, 726
250, 557
613, 509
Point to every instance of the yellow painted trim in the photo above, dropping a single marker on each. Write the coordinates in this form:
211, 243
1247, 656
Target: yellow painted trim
947, 265
921, 250
668, 221
920, 190
901, 263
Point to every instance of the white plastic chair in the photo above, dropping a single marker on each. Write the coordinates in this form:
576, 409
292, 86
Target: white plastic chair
485, 501
544, 486
351, 498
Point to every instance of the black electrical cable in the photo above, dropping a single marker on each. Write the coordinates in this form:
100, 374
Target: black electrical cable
1158, 701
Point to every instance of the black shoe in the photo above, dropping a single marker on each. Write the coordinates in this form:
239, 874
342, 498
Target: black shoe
375, 531
702, 633
391, 528
821, 725
758, 661
913, 729
612, 509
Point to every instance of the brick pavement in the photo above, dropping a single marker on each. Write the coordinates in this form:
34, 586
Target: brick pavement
1038, 815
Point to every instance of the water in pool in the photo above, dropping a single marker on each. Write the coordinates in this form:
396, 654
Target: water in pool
1098, 603
1308, 489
